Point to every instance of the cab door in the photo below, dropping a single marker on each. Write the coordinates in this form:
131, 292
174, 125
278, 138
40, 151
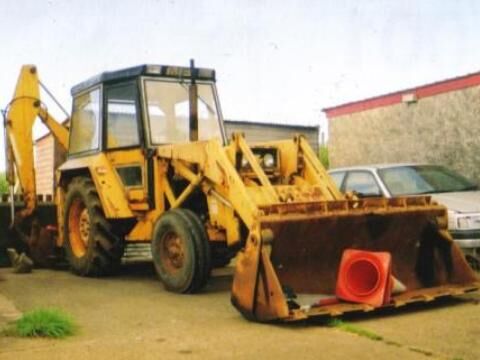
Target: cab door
123, 141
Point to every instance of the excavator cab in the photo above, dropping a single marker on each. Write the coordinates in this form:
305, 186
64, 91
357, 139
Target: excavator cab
127, 113
145, 106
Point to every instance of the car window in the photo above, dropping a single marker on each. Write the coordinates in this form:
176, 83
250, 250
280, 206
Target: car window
363, 183
338, 177
421, 179
404, 180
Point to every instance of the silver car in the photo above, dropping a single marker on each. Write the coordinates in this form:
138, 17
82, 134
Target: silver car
458, 194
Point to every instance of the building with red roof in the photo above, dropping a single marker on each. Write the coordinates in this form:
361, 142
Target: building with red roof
436, 123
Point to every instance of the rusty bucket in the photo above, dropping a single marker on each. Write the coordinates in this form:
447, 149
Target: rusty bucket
293, 266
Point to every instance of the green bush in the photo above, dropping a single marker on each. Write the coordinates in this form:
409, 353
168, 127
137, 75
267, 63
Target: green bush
323, 156
44, 323
3, 183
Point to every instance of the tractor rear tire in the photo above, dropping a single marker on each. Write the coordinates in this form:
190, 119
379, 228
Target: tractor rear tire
181, 252
91, 246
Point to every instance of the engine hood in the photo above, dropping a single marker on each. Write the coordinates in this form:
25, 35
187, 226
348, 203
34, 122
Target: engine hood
462, 202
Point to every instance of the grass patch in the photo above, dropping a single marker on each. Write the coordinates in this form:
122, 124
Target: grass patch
51, 323
339, 324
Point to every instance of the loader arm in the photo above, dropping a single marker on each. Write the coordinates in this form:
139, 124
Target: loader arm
19, 118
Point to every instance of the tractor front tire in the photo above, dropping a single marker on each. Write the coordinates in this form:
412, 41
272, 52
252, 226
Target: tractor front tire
91, 246
181, 252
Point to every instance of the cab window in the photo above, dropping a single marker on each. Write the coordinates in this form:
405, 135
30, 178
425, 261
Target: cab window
168, 112
85, 128
122, 117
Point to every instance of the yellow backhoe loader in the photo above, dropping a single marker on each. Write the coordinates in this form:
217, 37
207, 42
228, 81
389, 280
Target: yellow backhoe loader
148, 162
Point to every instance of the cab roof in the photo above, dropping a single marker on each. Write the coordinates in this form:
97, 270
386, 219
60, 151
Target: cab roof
162, 71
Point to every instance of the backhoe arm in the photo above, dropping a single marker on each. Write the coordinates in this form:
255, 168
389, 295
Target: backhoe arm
19, 118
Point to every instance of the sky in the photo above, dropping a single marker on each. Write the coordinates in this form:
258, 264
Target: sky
276, 61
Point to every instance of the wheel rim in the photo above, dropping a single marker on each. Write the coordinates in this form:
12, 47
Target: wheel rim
172, 252
78, 227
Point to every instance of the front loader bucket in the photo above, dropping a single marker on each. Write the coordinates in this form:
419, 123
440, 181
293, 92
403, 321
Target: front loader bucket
290, 271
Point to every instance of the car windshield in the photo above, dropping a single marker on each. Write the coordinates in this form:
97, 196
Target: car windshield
423, 179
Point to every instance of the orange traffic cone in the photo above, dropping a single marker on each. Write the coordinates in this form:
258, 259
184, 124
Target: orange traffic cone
365, 277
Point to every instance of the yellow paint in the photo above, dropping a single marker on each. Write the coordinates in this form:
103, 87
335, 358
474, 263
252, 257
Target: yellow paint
21, 115
111, 191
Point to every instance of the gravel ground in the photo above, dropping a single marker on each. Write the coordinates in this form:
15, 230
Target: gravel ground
131, 316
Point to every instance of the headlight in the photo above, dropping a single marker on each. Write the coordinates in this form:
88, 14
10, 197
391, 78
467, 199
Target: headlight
268, 160
468, 222
266, 157
463, 223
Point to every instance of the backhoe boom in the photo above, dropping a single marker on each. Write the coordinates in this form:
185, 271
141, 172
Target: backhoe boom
19, 119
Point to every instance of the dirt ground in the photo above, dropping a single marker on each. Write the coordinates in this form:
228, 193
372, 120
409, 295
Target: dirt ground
131, 316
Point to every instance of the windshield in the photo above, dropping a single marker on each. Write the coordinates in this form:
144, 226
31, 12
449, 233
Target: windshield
168, 112
423, 179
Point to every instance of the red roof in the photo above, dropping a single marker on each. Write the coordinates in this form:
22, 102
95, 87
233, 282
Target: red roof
419, 92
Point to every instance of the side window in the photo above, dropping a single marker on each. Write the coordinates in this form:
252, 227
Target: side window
122, 119
337, 178
85, 128
363, 183
208, 125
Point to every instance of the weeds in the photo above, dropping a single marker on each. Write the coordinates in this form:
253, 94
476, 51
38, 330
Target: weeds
323, 156
52, 323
